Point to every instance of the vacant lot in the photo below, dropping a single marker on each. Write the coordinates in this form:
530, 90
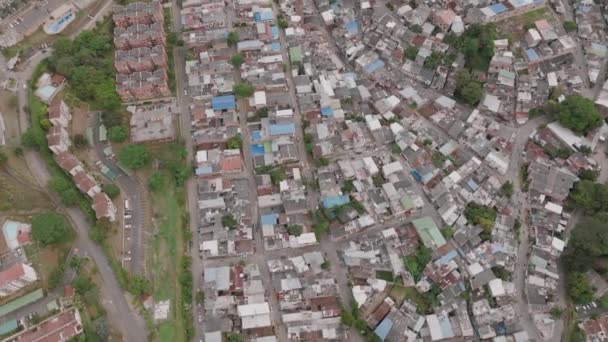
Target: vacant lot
17, 189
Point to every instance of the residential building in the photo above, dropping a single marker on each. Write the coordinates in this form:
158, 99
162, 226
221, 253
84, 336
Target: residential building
104, 207
142, 85
140, 59
137, 13
140, 35
58, 139
64, 326
59, 113
15, 278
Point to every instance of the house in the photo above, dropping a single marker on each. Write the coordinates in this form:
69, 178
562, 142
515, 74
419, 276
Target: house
59, 113
15, 278
58, 139
428, 232
68, 163
104, 207
64, 326
86, 184
550, 180
152, 123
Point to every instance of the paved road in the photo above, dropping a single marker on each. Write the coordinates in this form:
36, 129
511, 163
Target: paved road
120, 314
133, 191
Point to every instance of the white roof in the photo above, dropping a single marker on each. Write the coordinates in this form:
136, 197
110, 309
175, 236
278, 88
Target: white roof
290, 284
434, 327
210, 246
392, 168
496, 287
445, 102
371, 166
558, 244
491, 102
475, 269
554, 208
552, 79
214, 336
253, 309
259, 98
257, 321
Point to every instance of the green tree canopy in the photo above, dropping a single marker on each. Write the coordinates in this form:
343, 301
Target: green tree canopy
133, 156
295, 229
468, 90
65, 189
579, 288
156, 182
49, 228
235, 142
233, 38
118, 133
411, 52
237, 60
243, 89
579, 114
112, 190
570, 26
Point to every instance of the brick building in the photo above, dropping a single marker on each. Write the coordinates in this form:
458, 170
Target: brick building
139, 35
15, 278
140, 59
137, 13
142, 85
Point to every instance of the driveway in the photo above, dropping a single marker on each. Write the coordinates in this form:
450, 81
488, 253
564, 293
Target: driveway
133, 193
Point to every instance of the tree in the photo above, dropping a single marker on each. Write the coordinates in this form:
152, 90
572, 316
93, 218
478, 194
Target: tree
48, 228
579, 288
65, 189
480, 215
230, 337
235, 143
3, 158
467, 90
556, 312
133, 156
588, 174
33, 139
295, 229
348, 186
590, 236
416, 28
243, 89
585, 150
118, 134
156, 182
506, 189
570, 26
236, 60
434, 60
112, 118
228, 221
233, 38
111, 190
282, 22
80, 140
411, 52
579, 114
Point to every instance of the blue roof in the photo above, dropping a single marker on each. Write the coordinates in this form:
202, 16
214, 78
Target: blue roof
448, 257
203, 170
335, 201
416, 175
245, 44
8, 326
280, 129
532, 55
384, 328
327, 111
472, 185
498, 8
274, 31
257, 150
223, 102
256, 135
352, 27
269, 219
446, 326
276, 46
263, 16
373, 66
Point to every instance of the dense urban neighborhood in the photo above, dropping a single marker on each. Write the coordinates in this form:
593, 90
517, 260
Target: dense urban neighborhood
304, 170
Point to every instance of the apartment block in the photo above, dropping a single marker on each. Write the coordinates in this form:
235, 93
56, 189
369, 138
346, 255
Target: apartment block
139, 35
137, 13
142, 85
140, 59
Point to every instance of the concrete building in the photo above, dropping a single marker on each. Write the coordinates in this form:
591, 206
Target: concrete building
58, 139
153, 124
63, 326
140, 35
104, 207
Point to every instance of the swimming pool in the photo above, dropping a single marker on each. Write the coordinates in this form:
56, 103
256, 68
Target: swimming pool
11, 230
59, 24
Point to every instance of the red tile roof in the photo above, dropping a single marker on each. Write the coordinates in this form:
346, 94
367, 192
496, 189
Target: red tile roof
12, 273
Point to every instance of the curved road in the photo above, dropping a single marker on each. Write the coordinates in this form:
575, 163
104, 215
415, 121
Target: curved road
120, 314
132, 192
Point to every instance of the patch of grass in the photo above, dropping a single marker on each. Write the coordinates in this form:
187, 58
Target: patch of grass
385, 275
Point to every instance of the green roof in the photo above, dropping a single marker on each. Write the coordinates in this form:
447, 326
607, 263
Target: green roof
407, 203
8, 326
428, 232
295, 54
21, 302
